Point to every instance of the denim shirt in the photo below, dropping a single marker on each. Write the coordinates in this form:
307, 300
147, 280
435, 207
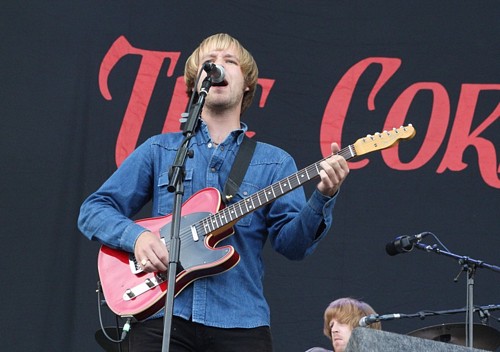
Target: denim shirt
234, 298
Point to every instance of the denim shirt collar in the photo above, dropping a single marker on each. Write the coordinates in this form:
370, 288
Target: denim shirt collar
236, 134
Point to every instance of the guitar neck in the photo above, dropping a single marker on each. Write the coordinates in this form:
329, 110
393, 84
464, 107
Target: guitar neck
364, 145
235, 211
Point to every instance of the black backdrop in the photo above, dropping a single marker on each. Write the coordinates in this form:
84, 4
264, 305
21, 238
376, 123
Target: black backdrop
59, 134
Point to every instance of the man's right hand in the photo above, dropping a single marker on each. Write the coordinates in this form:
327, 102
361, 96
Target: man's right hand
151, 252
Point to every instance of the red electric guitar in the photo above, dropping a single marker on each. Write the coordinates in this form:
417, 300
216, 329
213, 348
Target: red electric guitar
205, 222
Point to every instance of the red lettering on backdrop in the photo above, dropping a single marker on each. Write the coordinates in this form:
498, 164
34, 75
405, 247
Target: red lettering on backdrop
462, 136
338, 104
437, 125
142, 90
177, 106
266, 84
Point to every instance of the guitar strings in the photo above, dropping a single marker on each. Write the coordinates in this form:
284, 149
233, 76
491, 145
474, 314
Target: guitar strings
217, 220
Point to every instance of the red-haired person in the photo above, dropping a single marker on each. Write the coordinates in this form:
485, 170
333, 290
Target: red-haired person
340, 318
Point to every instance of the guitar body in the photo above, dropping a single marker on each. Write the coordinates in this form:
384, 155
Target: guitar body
140, 294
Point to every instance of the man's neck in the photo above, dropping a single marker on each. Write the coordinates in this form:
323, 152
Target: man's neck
221, 125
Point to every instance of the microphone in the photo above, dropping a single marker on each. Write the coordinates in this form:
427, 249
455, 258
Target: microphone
403, 244
373, 318
214, 72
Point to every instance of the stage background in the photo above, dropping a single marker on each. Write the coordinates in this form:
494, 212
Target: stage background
59, 132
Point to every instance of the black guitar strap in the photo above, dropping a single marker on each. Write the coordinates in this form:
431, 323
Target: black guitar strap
239, 168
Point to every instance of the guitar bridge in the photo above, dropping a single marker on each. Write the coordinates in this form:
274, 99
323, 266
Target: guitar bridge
147, 285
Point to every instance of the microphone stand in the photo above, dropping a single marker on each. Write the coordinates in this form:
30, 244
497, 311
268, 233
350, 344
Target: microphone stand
469, 265
423, 314
426, 313
176, 176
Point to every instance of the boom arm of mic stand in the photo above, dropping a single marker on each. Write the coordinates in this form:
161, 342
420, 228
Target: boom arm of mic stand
427, 313
462, 260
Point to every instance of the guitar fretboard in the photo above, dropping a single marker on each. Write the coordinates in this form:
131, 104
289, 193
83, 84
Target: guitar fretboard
245, 206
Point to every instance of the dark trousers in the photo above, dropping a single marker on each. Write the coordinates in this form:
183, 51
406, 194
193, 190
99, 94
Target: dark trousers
187, 336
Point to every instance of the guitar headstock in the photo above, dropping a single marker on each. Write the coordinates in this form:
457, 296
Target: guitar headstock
383, 140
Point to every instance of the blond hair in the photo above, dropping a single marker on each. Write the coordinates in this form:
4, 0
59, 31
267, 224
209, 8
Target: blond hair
222, 41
